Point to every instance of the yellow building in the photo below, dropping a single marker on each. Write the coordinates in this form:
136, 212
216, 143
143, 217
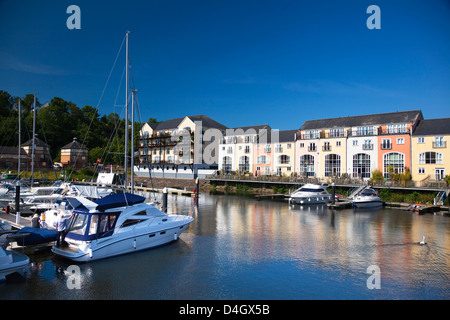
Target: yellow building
431, 150
284, 153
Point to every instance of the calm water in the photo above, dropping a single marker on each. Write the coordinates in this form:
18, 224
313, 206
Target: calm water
239, 248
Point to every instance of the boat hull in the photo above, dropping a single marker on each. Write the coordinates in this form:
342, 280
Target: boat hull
114, 246
368, 204
310, 200
12, 262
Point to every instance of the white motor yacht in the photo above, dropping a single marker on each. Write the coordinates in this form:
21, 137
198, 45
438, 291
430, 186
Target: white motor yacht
368, 198
310, 194
117, 224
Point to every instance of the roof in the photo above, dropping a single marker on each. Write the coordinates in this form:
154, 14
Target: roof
169, 124
174, 123
287, 135
12, 151
207, 122
74, 145
372, 119
38, 142
238, 130
432, 127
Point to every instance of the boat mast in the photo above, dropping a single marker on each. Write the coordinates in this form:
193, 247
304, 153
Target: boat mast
33, 143
125, 166
18, 160
133, 97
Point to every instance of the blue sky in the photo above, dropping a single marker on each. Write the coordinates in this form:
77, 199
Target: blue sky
240, 62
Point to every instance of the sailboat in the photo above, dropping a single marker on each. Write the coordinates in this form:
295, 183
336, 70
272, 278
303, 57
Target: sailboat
119, 223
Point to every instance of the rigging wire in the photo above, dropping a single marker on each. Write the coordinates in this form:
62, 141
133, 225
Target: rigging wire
96, 109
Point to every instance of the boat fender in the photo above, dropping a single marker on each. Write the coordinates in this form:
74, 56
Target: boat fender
90, 252
175, 236
134, 243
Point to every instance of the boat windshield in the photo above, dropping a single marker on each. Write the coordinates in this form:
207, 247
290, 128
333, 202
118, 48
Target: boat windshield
311, 190
89, 226
368, 192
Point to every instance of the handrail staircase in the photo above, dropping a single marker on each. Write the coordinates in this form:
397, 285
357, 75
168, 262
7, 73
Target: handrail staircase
355, 191
441, 196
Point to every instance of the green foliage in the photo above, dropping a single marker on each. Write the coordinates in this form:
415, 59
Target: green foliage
377, 175
59, 122
447, 179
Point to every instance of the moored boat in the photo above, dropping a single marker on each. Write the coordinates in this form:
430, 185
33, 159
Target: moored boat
117, 224
310, 194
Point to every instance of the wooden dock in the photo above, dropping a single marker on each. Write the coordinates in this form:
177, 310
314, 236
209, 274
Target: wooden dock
340, 205
174, 191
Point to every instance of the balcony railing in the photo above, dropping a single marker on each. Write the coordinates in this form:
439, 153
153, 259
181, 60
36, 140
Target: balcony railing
439, 145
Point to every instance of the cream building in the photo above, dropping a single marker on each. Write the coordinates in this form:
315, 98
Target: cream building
179, 147
284, 153
237, 148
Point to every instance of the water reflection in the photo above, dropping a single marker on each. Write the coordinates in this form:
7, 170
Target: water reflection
239, 248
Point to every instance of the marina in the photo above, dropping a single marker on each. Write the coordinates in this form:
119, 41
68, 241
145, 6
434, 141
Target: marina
240, 248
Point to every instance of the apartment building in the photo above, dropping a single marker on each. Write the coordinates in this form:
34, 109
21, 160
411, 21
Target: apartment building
284, 153
430, 154
176, 147
356, 145
237, 148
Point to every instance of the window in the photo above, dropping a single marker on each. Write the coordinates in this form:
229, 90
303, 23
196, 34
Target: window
438, 142
355, 143
312, 147
364, 131
386, 144
278, 148
336, 133
367, 145
302, 145
397, 128
131, 222
267, 148
312, 134
361, 165
288, 146
421, 170
263, 159
284, 159
400, 140
326, 146
244, 164
226, 164
338, 143
332, 165
393, 162
258, 168
430, 157
247, 149
307, 165
420, 140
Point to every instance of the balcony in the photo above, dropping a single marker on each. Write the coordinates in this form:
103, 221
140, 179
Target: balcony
439, 144
326, 147
368, 146
312, 148
386, 146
